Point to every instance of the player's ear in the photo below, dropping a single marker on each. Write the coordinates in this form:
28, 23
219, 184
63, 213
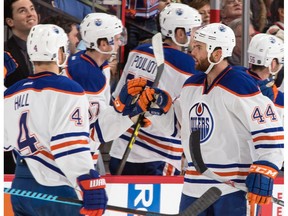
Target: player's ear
216, 55
274, 65
180, 33
61, 55
104, 45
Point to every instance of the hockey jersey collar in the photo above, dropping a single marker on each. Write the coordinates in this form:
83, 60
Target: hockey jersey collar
42, 74
91, 61
207, 88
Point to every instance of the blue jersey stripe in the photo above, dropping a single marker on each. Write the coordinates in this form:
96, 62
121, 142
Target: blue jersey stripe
272, 146
74, 151
174, 141
268, 130
206, 181
50, 166
224, 165
98, 131
75, 134
152, 149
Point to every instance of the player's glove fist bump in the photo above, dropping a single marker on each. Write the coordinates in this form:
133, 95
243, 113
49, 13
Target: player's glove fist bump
260, 182
154, 100
125, 102
94, 194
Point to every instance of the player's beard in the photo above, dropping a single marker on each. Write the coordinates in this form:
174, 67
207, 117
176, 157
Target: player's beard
202, 65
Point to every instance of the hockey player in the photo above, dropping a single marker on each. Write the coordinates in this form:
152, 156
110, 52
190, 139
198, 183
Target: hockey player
103, 34
153, 153
241, 132
266, 58
47, 123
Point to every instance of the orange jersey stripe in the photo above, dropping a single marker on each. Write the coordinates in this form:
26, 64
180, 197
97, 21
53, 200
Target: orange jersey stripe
191, 172
65, 144
280, 137
157, 144
40, 90
239, 95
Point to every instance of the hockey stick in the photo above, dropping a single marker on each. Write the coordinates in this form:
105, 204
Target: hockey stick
195, 151
207, 199
159, 56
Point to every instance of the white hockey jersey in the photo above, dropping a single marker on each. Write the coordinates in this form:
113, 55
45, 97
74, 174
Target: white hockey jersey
105, 123
279, 96
238, 126
151, 144
47, 122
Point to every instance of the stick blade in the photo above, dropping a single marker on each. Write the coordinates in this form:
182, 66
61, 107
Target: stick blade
158, 48
195, 151
201, 204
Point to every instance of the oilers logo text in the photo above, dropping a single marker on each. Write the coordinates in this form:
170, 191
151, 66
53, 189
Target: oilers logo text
201, 119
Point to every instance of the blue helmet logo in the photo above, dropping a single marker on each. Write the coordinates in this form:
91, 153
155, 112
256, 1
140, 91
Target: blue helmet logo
179, 11
272, 40
56, 30
98, 22
222, 28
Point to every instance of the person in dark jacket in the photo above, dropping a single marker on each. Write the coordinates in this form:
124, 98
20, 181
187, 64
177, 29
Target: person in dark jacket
20, 16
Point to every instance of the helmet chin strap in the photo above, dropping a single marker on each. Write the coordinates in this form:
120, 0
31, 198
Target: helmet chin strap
64, 63
212, 64
274, 74
108, 52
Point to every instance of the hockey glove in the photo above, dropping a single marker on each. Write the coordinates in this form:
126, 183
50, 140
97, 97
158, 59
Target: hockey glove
124, 102
94, 194
260, 182
268, 88
10, 64
162, 103
154, 100
143, 102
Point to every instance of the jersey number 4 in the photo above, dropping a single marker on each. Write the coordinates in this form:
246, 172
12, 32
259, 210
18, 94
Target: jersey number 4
26, 141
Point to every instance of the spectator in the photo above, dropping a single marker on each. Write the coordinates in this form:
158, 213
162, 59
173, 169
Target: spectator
236, 26
277, 19
230, 10
20, 16
143, 14
203, 7
268, 6
73, 7
259, 14
70, 28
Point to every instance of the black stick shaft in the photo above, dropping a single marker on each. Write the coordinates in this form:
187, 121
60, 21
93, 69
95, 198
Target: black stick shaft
159, 56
